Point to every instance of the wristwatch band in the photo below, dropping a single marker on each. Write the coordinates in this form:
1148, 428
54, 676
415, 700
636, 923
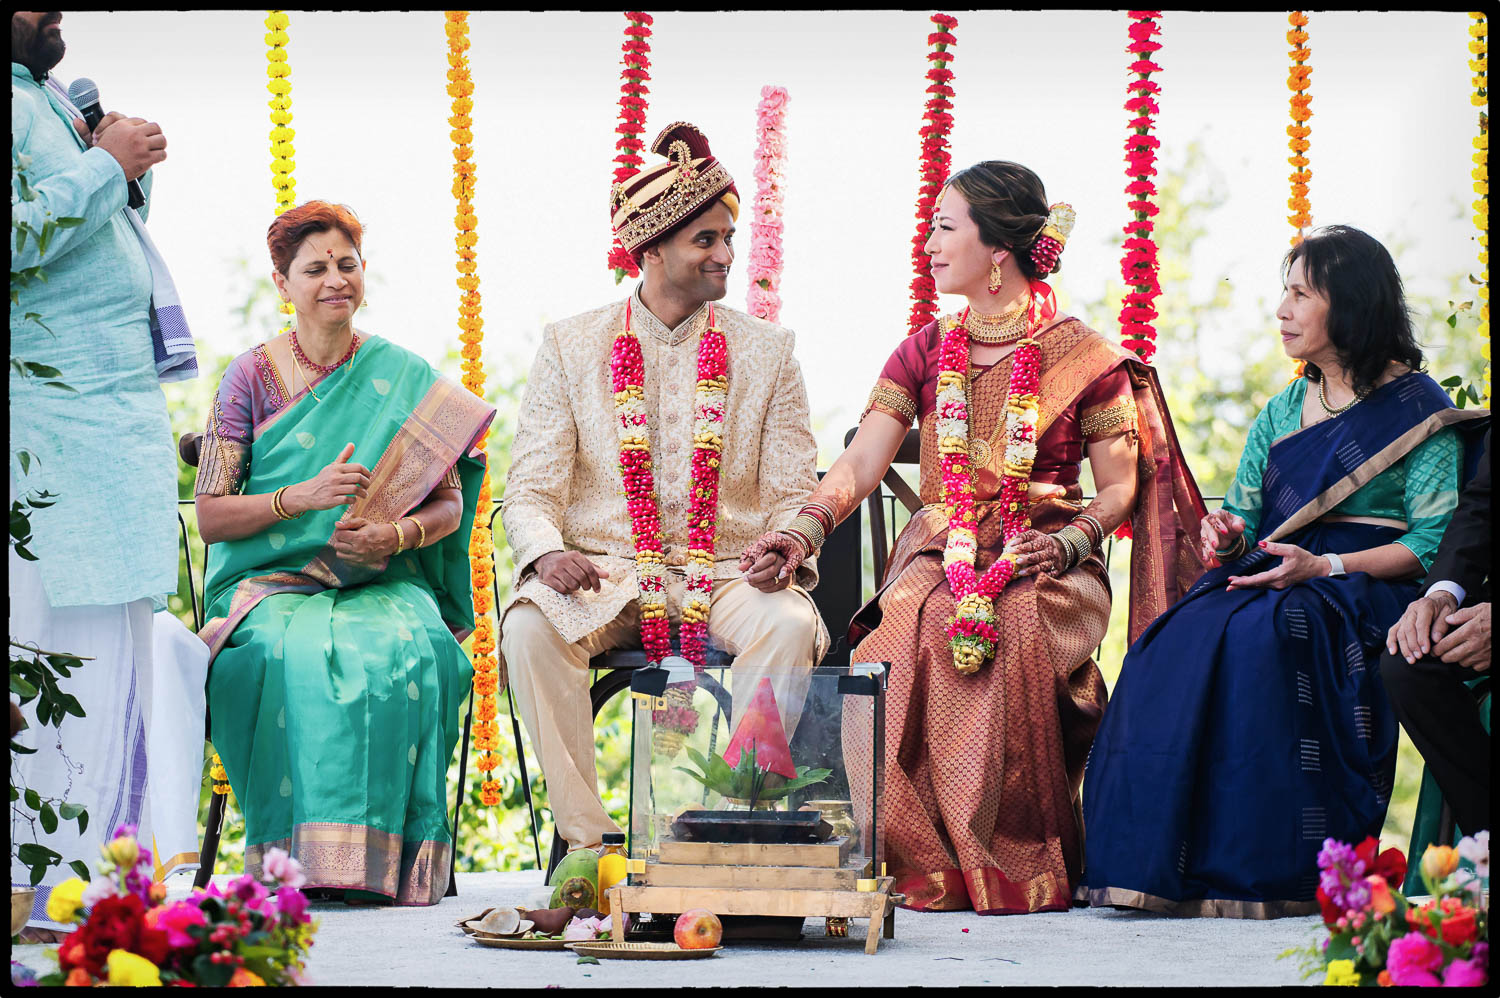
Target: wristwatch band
1336, 564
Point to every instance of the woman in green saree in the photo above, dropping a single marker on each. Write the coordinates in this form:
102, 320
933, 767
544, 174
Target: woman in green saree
338, 591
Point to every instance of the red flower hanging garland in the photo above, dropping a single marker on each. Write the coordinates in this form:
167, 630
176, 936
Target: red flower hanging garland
1139, 266
937, 123
637, 51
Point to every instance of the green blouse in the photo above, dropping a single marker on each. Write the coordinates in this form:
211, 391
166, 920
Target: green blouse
1421, 489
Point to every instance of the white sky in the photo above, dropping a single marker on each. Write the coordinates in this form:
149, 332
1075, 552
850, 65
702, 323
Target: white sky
1390, 152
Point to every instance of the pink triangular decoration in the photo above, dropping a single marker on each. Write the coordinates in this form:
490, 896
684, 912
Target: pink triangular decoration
761, 726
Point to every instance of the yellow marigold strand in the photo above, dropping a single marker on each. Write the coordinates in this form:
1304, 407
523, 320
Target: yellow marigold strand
280, 86
1479, 66
486, 732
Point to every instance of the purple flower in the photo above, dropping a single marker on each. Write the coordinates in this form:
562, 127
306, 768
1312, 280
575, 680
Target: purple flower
1342, 877
22, 976
1463, 974
247, 889
124, 832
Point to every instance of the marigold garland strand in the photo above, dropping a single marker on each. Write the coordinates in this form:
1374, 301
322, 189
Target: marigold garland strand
636, 52
279, 83
937, 123
1140, 266
486, 729
764, 299
1479, 66
1299, 81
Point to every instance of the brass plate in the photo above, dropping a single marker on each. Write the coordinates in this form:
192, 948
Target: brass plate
640, 951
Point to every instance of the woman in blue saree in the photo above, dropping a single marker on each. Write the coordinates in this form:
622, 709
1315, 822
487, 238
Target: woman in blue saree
1249, 724
337, 590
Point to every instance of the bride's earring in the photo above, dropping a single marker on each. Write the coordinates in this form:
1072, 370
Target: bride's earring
996, 277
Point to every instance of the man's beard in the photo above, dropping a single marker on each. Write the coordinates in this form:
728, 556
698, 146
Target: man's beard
38, 50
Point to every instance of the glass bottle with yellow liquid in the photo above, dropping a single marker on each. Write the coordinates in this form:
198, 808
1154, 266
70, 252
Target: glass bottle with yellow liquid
611, 865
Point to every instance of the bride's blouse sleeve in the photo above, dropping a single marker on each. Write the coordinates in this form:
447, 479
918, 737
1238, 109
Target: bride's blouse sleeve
899, 389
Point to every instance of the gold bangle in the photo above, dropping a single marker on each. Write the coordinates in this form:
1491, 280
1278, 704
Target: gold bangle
809, 526
277, 508
1077, 541
400, 537
421, 532
1234, 551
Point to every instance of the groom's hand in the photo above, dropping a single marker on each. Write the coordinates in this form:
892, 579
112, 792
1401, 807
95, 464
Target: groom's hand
569, 571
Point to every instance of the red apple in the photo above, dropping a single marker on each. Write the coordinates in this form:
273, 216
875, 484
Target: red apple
698, 929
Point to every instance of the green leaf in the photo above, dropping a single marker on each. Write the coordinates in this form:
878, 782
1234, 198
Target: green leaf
15, 794
71, 705
69, 222
25, 458
20, 238
24, 553
33, 799
210, 974
69, 811
42, 370
21, 687
589, 959
61, 385
1453, 320
49, 818
81, 868
31, 852
1452, 382
83, 824
19, 749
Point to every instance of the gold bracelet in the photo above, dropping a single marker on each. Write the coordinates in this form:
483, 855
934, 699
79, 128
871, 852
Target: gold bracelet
1099, 527
1235, 550
808, 525
802, 539
278, 509
421, 532
1077, 541
400, 537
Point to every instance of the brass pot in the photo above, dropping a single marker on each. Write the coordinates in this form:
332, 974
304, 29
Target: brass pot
838, 813
21, 899
760, 805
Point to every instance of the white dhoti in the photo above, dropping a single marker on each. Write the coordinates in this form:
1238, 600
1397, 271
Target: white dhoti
136, 756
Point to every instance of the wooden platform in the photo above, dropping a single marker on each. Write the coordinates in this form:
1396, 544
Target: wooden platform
807, 880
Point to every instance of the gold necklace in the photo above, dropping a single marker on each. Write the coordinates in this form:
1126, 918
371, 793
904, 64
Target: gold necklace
1323, 399
994, 330
306, 383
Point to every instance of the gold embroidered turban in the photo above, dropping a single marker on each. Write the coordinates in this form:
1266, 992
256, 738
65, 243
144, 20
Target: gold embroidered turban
661, 199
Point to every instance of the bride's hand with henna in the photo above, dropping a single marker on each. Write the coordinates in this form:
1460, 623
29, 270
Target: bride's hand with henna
1038, 552
770, 562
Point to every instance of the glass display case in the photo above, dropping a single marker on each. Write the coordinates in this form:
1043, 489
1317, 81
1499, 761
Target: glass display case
737, 774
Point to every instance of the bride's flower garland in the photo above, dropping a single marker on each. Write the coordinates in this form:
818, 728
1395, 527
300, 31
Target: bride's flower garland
627, 373
936, 125
636, 50
972, 632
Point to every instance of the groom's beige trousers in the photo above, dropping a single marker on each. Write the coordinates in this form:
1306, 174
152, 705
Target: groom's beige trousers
769, 634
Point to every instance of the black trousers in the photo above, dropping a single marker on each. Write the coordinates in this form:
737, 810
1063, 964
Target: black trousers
1442, 717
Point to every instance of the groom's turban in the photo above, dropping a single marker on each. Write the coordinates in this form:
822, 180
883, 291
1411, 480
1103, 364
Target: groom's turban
661, 199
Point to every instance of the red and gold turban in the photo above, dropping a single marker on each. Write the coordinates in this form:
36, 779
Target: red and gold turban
661, 199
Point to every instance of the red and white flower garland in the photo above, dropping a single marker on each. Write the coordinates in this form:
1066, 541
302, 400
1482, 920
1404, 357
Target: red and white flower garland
937, 123
972, 633
627, 371
1139, 266
763, 299
633, 90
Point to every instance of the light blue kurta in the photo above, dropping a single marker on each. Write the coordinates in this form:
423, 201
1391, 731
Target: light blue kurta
106, 452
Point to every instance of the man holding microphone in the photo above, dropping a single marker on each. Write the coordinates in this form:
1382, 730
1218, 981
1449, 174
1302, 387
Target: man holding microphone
106, 549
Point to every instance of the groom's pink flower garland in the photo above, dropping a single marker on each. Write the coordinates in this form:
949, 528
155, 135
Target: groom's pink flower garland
627, 372
763, 300
1139, 266
637, 59
972, 632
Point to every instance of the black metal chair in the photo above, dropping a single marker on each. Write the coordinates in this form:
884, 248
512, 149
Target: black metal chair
836, 597
187, 449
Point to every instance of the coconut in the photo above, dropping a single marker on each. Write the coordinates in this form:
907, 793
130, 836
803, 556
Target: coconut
500, 922
575, 882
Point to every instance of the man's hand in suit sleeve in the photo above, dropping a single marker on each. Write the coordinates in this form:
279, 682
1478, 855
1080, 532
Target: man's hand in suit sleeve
1468, 644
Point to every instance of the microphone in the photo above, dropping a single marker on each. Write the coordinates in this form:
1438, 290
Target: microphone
85, 96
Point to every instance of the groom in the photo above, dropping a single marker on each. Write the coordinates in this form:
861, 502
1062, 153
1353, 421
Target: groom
576, 591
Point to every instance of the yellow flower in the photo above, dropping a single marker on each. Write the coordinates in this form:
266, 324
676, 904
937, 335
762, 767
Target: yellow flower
1341, 973
1438, 862
65, 900
123, 852
128, 970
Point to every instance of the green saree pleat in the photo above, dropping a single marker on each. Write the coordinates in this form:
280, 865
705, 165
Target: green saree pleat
335, 691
